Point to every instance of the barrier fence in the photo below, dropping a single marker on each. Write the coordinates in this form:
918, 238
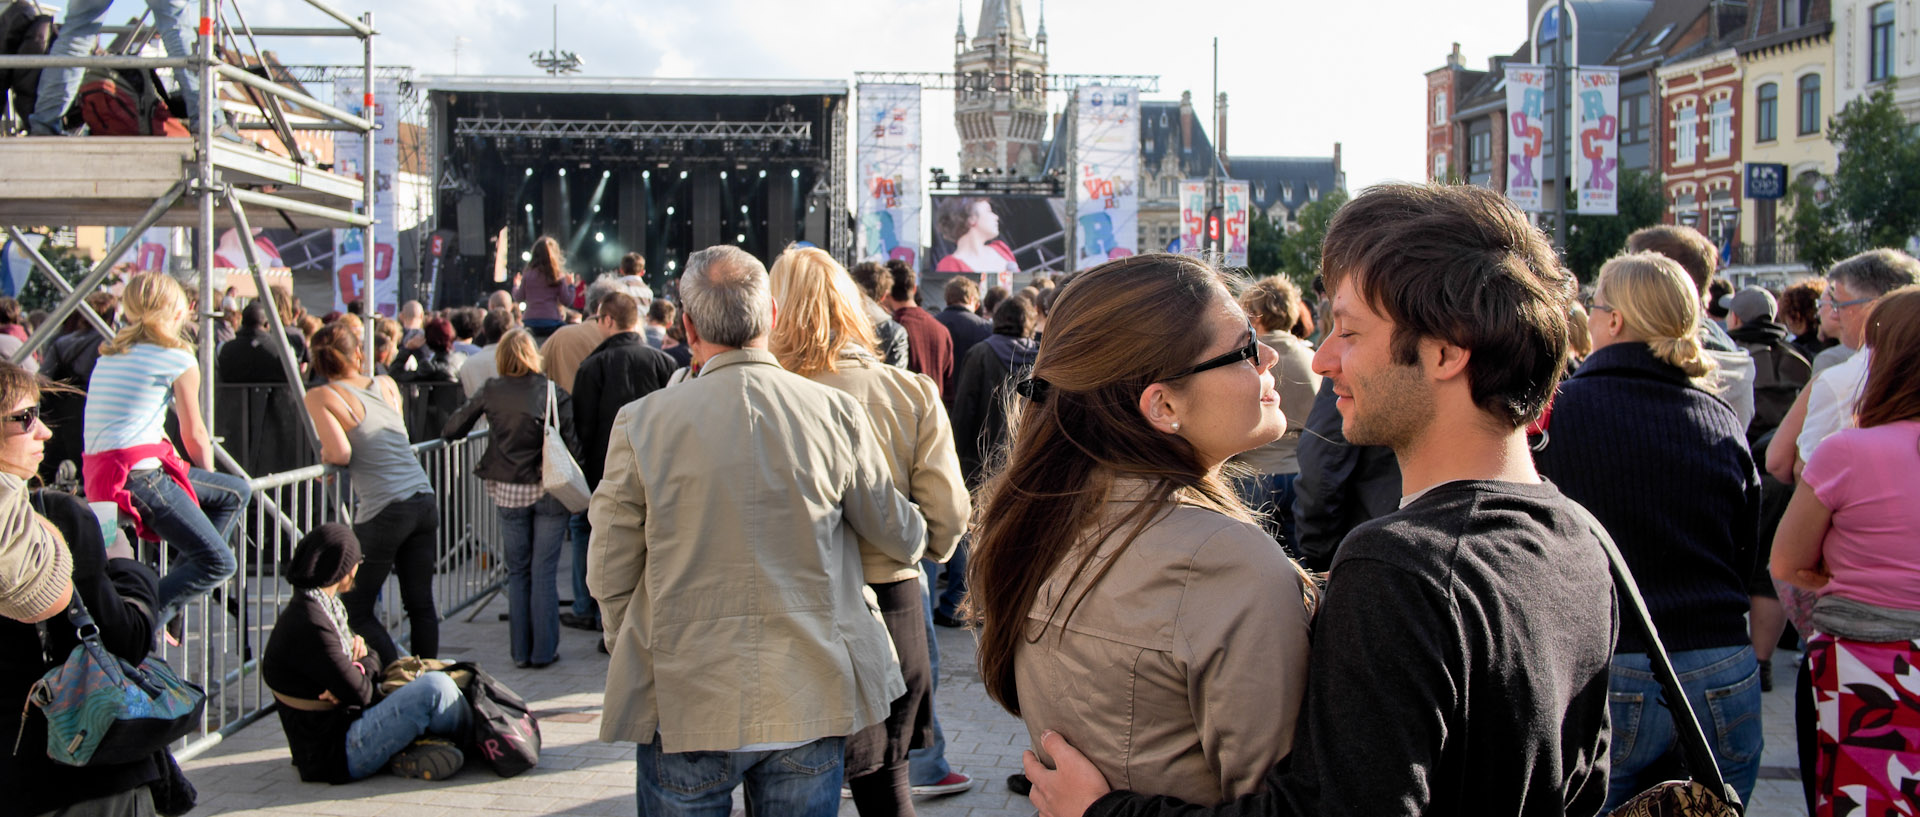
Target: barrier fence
225, 632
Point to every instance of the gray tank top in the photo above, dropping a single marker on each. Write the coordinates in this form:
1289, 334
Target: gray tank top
383, 468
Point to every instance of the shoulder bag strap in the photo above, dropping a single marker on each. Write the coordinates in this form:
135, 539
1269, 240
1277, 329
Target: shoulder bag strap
1698, 754
553, 408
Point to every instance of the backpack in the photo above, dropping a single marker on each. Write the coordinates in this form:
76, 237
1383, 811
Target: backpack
110, 106
26, 30
504, 730
1779, 373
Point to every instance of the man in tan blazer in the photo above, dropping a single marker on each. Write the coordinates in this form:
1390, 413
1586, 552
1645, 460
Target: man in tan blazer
725, 560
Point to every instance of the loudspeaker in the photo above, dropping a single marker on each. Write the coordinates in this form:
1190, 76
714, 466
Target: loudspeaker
471, 213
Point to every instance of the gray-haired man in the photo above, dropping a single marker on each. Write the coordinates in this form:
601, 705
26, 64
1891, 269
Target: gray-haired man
727, 568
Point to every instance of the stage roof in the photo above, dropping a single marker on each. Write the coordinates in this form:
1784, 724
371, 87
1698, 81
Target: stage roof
632, 85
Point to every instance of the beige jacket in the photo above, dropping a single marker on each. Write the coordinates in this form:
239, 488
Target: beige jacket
725, 561
1293, 377
1181, 673
918, 439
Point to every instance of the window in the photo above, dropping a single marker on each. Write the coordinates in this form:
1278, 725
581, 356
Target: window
1636, 118
1720, 129
1794, 13
1766, 113
1809, 104
1439, 108
1880, 42
1662, 36
1686, 135
1439, 167
1480, 152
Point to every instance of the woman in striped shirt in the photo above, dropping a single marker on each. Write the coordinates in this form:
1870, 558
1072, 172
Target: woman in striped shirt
146, 368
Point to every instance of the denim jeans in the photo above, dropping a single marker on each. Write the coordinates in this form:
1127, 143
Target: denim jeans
1723, 687
77, 35
398, 540
1272, 495
428, 705
800, 782
581, 532
948, 602
199, 534
928, 766
533, 535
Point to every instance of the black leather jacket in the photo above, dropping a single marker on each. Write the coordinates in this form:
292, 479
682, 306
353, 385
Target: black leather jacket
516, 409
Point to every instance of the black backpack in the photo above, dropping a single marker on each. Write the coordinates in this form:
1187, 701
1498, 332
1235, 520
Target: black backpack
1779, 373
26, 30
505, 732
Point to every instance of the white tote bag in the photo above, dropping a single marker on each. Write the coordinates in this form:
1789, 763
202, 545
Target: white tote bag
559, 474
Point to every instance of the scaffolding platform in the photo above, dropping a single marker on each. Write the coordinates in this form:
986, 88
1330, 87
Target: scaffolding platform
61, 180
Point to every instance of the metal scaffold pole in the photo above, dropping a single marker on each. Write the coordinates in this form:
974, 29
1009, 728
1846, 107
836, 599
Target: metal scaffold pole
368, 258
208, 118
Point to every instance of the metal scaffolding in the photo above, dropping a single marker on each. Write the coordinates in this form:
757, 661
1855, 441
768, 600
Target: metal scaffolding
987, 81
142, 182
629, 129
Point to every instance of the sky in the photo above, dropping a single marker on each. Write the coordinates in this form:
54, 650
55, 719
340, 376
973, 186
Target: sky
1299, 75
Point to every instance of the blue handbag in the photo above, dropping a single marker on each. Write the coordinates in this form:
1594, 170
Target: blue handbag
103, 710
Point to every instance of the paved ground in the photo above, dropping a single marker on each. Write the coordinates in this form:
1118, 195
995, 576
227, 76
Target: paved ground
250, 773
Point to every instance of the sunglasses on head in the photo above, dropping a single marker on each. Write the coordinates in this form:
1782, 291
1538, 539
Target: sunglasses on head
1251, 351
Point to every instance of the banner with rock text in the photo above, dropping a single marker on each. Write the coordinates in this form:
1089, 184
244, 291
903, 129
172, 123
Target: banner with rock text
889, 178
1526, 134
1106, 174
352, 259
1237, 206
1598, 165
1193, 217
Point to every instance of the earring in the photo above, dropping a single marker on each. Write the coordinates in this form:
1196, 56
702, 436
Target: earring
1176, 425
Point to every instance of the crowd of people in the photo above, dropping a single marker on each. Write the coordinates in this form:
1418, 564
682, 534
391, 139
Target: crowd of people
1191, 518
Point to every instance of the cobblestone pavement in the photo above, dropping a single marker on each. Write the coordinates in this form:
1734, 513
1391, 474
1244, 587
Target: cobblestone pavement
250, 773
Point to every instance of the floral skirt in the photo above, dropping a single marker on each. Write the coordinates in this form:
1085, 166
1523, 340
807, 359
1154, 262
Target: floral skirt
1867, 700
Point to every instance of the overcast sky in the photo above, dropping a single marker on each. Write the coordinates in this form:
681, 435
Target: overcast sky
1299, 75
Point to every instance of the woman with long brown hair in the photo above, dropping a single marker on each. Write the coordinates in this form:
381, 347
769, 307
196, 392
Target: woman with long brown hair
823, 335
1111, 546
544, 286
1848, 536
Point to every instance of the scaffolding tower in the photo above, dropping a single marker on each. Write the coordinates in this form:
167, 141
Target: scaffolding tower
142, 182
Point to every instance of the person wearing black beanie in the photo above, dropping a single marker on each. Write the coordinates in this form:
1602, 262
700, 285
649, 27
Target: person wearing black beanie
326, 681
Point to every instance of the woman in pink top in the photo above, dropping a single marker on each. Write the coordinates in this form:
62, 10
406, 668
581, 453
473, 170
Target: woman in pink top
1849, 535
545, 286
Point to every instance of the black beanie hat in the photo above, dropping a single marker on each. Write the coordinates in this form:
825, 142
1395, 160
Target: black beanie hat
324, 557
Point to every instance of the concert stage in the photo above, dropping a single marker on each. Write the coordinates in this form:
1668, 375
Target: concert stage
609, 166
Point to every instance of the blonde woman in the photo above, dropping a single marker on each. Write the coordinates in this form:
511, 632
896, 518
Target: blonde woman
1275, 307
532, 523
127, 459
824, 335
1638, 438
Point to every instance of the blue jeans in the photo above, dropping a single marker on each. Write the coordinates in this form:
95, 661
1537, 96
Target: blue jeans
77, 35
1272, 495
532, 535
928, 766
200, 534
800, 782
956, 571
428, 705
583, 603
1723, 687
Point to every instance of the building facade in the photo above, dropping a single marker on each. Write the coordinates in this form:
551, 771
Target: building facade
1701, 154
1000, 106
1876, 42
1788, 98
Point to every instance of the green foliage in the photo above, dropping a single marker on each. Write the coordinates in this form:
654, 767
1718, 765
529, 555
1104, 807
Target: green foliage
36, 293
1594, 239
1300, 250
1265, 238
1873, 196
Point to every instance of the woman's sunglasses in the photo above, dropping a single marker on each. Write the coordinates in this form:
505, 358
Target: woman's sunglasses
25, 418
1251, 351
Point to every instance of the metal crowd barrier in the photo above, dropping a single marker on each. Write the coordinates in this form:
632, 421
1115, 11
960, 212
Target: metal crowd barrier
225, 632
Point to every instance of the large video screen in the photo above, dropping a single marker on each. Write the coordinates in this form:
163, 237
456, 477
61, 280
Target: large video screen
1020, 235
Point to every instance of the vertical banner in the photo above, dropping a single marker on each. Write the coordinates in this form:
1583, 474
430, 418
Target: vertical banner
1237, 198
1106, 174
1599, 162
1193, 217
1526, 133
351, 260
889, 157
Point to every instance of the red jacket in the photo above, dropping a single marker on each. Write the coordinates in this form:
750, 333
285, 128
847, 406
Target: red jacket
929, 346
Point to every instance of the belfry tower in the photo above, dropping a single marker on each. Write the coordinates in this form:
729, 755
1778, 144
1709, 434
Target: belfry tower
1000, 103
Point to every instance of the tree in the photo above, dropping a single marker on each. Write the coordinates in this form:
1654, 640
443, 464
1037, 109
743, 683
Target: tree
1265, 238
1873, 196
1594, 239
1300, 249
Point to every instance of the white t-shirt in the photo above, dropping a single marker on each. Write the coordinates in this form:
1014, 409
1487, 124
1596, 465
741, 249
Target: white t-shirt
1831, 399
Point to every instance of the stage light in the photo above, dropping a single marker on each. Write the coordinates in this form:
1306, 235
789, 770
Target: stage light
526, 255
600, 237
529, 171
683, 174
740, 239
723, 175
646, 175
529, 208
796, 173
606, 174
563, 173
596, 208
743, 209
669, 209
672, 265
763, 174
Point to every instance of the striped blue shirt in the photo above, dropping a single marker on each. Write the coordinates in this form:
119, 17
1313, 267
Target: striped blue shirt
128, 396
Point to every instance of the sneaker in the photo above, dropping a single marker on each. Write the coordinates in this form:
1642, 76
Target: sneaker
846, 793
579, 622
953, 783
428, 759
945, 620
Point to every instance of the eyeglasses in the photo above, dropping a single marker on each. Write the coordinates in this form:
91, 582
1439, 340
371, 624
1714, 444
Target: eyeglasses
1831, 305
1594, 303
1251, 351
25, 418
